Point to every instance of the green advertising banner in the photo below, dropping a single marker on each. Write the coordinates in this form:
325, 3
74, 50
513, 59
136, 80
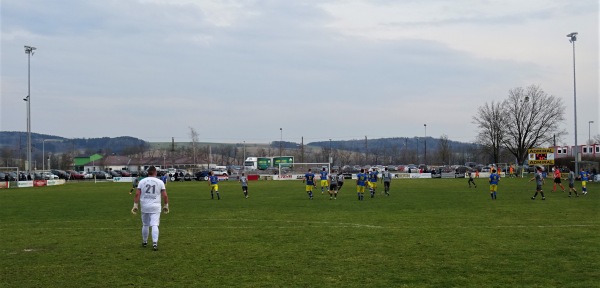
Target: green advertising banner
263, 163
286, 161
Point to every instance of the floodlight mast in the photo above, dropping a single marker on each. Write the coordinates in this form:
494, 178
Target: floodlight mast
572, 38
29, 50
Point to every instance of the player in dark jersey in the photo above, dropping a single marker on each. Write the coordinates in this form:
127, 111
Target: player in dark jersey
309, 179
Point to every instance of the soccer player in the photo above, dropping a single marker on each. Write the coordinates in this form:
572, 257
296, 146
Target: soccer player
386, 178
471, 179
557, 179
494, 179
324, 182
572, 183
361, 179
539, 181
136, 181
244, 181
584, 178
164, 178
309, 179
340, 181
333, 185
213, 182
373, 176
150, 190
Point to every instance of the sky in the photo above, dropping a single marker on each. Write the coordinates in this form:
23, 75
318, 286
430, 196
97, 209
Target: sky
262, 71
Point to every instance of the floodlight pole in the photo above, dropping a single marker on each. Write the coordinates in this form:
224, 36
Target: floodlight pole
330, 160
590, 132
572, 38
280, 141
425, 141
29, 50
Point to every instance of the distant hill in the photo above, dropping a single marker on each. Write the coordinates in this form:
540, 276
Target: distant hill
359, 145
383, 150
56, 144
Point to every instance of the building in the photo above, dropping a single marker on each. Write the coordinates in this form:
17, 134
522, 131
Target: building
592, 151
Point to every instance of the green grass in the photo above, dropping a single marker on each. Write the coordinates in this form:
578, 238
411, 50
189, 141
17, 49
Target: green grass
428, 233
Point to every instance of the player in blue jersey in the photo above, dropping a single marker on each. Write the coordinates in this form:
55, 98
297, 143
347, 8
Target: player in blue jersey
213, 182
309, 179
324, 182
164, 178
494, 179
584, 178
361, 179
373, 176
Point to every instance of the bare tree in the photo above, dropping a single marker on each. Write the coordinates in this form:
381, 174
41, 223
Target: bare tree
530, 118
490, 123
194, 137
444, 149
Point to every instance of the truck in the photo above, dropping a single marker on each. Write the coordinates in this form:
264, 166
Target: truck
258, 163
263, 163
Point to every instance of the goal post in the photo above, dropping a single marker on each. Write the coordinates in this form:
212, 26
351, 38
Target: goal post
301, 168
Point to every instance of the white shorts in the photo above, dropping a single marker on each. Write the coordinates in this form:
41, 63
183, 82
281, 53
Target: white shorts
150, 219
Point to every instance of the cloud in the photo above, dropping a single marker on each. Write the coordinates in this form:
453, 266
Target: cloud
303, 65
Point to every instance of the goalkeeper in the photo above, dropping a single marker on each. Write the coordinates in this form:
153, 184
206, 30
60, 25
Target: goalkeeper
150, 190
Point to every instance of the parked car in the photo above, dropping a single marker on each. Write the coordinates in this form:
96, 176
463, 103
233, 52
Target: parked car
101, 175
49, 176
202, 175
461, 170
411, 168
125, 173
114, 173
60, 173
219, 172
12, 176
75, 175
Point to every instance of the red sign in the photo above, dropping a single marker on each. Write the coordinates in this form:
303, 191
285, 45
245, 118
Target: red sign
39, 183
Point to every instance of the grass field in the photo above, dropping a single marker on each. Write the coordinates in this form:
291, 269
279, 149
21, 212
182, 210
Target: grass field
428, 233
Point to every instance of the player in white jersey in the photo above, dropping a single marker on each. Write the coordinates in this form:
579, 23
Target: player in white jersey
244, 182
150, 190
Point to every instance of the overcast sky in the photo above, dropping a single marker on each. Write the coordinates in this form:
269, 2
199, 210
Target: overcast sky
241, 70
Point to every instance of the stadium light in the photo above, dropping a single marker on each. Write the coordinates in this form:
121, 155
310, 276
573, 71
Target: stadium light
280, 141
572, 38
29, 50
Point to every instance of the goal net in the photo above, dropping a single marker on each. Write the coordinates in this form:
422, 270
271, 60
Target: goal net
299, 169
